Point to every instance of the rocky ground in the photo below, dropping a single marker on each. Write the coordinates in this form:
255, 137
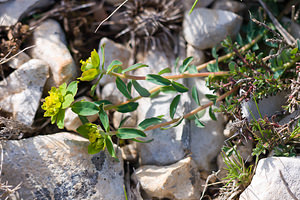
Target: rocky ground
41, 45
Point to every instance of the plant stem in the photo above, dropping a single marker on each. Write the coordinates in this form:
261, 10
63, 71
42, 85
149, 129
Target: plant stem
185, 75
227, 56
193, 112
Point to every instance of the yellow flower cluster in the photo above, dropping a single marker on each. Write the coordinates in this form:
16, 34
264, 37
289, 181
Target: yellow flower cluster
95, 136
53, 102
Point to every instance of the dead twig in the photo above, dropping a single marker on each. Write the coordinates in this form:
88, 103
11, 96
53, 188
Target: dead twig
110, 15
290, 40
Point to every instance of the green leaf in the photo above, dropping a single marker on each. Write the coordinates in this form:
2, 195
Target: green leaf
212, 114
149, 122
92, 149
195, 2
214, 52
173, 105
72, 88
89, 75
176, 124
60, 119
212, 97
83, 130
199, 124
155, 94
114, 64
239, 40
129, 133
134, 67
123, 121
122, 88
103, 56
85, 108
95, 59
68, 99
105, 102
192, 69
157, 79
104, 118
163, 71
83, 119
185, 64
129, 107
110, 147
129, 86
179, 87
53, 119
142, 91
140, 141
195, 95
168, 89
176, 63
231, 66
213, 67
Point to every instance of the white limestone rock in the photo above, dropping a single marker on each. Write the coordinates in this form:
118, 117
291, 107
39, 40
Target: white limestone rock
12, 11
205, 28
113, 51
130, 122
19, 60
50, 46
275, 178
111, 93
22, 90
59, 167
180, 180
205, 143
267, 106
197, 54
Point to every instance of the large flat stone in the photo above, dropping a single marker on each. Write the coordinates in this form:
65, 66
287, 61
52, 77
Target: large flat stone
205, 28
180, 180
59, 167
275, 178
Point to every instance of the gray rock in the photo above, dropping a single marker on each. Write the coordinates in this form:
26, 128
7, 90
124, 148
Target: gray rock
19, 60
113, 51
130, 122
177, 181
275, 178
267, 106
22, 90
197, 54
12, 11
232, 6
206, 28
292, 27
72, 121
201, 3
111, 93
50, 46
59, 167
129, 152
205, 143
168, 146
